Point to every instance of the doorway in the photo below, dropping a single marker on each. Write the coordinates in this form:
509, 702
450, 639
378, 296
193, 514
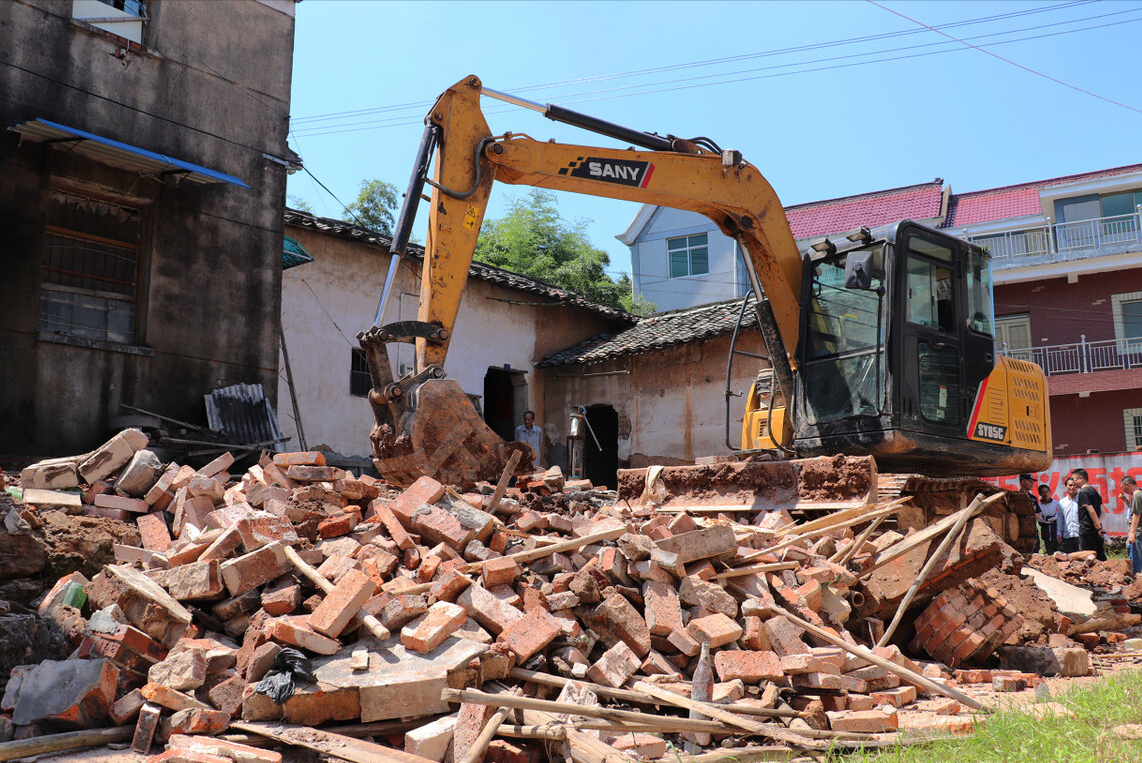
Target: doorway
601, 461
505, 400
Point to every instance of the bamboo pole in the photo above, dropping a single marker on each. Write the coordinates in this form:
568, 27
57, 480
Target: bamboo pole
549, 731
866, 654
502, 485
69, 740
570, 708
710, 710
842, 557
952, 536
370, 622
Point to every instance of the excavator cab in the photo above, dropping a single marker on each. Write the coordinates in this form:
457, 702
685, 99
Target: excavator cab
897, 359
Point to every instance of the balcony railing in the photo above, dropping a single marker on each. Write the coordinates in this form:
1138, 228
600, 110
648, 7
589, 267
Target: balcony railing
1062, 237
1082, 356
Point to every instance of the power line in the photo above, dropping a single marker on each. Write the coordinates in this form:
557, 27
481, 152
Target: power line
702, 80
706, 62
1008, 60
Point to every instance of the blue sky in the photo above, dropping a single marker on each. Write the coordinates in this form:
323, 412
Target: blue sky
827, 99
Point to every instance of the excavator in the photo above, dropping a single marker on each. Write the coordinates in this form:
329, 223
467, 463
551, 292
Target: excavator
881, 351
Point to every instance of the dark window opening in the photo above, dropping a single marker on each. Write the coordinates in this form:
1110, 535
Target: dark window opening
91, 266
359, 380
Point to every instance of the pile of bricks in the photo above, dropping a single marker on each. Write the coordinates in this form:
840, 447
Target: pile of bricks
963, 622
176, 637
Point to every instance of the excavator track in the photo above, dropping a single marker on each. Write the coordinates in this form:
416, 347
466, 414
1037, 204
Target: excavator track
933, 498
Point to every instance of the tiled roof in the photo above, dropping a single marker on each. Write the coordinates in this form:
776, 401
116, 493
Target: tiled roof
1015, 200
484, 272
655, 332
821, 218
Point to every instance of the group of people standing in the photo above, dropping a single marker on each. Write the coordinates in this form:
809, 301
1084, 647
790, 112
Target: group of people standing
1074, 521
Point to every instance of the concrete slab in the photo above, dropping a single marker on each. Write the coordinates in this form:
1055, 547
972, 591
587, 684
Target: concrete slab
400, 683
1070, 599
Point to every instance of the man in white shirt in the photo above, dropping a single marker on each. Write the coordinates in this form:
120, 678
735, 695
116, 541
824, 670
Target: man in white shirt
1068, 518
531, 434
1047, 512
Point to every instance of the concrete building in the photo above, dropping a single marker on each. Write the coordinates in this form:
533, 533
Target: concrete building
142, 180
1067, 270
506, 323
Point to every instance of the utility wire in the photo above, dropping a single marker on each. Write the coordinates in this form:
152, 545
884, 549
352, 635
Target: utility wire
627, 91
707, 62
1008, 60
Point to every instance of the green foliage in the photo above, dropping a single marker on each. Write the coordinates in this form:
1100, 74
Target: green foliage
533, 240
298, 203
374, 206
1014, 736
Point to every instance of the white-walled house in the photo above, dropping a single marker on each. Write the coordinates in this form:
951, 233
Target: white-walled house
506, 323
681, 259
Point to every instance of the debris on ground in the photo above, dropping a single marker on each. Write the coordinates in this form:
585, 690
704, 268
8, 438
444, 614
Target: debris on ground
211, 615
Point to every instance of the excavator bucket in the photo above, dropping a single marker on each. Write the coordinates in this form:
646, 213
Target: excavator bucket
442, 436
425, 425
827, 483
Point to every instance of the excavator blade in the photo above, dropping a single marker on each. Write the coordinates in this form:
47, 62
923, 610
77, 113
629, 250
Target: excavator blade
442, 436
827, 483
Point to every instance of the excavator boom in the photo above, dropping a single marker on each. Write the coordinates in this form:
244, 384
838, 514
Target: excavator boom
871, 347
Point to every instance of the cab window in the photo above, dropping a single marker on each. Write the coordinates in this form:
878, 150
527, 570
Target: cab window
931, 293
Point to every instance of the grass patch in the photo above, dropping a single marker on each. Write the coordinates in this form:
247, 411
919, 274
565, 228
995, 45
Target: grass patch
1014, 737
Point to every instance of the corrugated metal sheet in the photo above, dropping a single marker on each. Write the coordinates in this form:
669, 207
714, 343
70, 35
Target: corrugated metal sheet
244, 415
117, 154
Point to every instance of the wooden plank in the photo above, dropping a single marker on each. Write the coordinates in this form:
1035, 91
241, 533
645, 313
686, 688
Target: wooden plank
502, 485
710, 710
327, 743
866, 654
70, 740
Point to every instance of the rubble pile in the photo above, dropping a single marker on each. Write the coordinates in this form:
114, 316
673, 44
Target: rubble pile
539, 614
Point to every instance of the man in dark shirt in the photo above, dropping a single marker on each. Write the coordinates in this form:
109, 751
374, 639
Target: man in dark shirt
1090, 516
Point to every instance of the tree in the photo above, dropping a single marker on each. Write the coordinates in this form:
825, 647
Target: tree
533, 240
299, 203
374, 206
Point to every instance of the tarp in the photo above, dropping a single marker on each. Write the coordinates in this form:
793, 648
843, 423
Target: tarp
1104, 470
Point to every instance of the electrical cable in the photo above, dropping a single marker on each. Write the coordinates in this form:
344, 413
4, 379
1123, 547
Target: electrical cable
421, 105
1008, 60
677, 84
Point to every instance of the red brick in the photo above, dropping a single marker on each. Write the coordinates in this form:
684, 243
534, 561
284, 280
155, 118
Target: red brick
428, 632
126, 707
145, 728
122, 503
154, 533
424, 491
615, 666
335, 527
449, 585
342, 603
232, 751
298, 458
260, 531
196, 721
188, 582
750, 667
255, 568
617, 616
502, 571
182, 670
531, 634
487, 609
663, 610
864, 722
296, 630
716, 629
441, 526
283, 601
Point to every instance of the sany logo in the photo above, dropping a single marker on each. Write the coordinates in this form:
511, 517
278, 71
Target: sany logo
621, 171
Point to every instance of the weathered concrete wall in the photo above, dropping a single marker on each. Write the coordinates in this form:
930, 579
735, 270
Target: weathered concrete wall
670, 403
211, 270
343, 285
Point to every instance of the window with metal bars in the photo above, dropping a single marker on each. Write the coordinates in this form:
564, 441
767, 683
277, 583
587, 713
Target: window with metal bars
359, 380
92, 256
1133, 423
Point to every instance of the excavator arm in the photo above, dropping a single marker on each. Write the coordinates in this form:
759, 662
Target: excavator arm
673, 173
